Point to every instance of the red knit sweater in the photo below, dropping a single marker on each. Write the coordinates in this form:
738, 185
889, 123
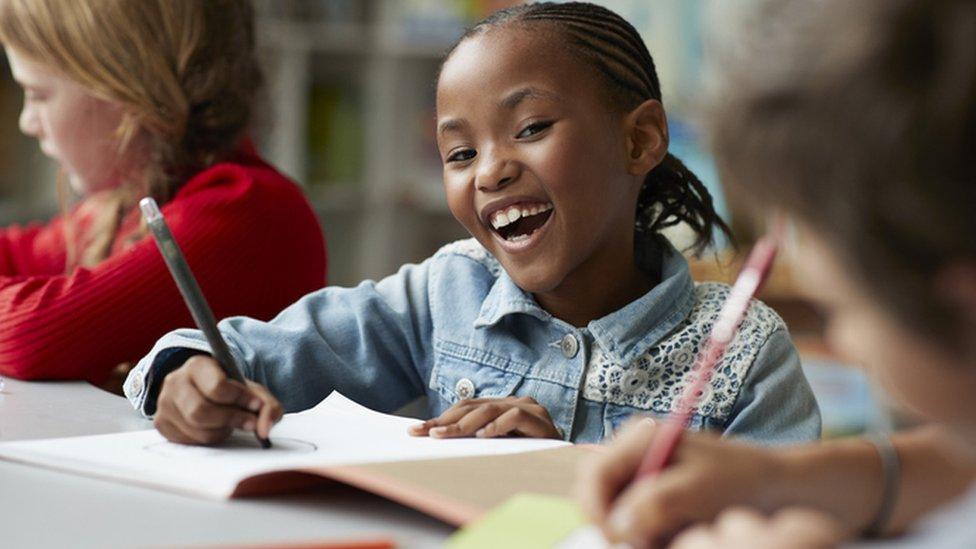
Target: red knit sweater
248, 234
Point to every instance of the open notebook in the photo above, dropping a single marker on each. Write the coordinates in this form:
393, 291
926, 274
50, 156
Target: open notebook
454, 480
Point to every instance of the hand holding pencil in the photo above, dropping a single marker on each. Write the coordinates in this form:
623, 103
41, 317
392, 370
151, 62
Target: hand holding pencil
706, 475
212, 396
199, 404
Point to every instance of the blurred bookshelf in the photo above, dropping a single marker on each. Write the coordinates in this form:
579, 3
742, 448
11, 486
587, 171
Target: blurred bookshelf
351, 86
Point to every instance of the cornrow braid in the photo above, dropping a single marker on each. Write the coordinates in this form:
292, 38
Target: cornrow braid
671, 193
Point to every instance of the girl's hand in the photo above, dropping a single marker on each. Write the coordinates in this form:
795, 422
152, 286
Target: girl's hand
199, 405
795, 527
706, 475
491, 417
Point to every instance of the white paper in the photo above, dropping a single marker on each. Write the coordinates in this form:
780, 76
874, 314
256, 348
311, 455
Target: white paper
335, 432
586, 537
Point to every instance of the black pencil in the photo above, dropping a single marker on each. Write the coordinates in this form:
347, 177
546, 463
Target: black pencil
192, 294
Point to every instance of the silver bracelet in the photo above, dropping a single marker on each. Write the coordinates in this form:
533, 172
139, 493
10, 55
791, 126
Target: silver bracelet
891, 478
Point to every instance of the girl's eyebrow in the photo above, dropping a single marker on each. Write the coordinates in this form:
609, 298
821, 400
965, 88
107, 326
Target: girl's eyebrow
508, 102
451, 125
513, 99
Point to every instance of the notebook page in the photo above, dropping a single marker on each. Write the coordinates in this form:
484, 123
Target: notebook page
335, 432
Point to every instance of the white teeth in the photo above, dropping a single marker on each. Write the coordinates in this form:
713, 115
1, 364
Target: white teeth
499, 220
512, 214
518, 238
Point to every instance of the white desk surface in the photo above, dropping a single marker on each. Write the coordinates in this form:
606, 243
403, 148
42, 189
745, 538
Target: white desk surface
44, 508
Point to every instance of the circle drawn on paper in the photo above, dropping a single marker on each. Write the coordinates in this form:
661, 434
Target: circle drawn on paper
239, 444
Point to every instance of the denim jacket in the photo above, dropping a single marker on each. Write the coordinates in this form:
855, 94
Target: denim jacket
456, 326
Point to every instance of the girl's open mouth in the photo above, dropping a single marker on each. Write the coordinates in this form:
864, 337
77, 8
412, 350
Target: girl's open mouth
518, 222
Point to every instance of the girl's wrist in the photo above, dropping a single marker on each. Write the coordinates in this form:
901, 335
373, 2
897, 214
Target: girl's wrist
813, 476
785, 471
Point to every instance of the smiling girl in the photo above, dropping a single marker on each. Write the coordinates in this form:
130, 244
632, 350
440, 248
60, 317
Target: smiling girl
134, 99
566, 313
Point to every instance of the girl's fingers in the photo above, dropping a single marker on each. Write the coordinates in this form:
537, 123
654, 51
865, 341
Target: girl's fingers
181, 430
449, 417
271, 410
818, 528
653, 509
456, 412
604, 475
519, 421
740, 527
471, 422
228, 417
199, 405
421, 429
195, 411
202, 413
697, 537
203, 435
471, 416
191, 418
213, 384
266, 419
169, 431
739, 520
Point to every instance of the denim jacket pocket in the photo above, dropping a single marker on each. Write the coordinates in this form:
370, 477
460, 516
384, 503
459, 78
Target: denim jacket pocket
615, 416
462, 372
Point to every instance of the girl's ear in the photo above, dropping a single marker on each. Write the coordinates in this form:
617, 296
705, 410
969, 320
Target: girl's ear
646, 131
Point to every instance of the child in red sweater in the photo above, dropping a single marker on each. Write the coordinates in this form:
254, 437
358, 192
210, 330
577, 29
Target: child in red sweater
133, 99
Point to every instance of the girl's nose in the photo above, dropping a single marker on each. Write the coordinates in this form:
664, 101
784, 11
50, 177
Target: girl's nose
496, 173
28, 122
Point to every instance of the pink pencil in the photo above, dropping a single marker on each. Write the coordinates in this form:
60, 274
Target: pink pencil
750, 280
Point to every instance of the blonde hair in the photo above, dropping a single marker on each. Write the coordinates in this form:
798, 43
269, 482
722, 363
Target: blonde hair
184, 72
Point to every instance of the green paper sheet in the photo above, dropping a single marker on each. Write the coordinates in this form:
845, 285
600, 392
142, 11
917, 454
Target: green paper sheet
524, 520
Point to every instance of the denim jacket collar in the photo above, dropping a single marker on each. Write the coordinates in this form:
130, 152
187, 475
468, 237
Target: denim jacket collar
624, 334
506, 298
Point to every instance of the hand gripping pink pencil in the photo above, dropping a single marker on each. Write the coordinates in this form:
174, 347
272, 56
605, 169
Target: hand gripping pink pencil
750, 280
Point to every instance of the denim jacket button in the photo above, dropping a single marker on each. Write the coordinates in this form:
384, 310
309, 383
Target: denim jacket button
633, 381
569, 345
464, 388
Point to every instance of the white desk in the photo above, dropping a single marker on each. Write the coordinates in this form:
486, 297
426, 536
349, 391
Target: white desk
43, 508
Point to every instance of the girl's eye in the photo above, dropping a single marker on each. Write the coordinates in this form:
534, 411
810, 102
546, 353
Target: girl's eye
461, 155
534, 129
